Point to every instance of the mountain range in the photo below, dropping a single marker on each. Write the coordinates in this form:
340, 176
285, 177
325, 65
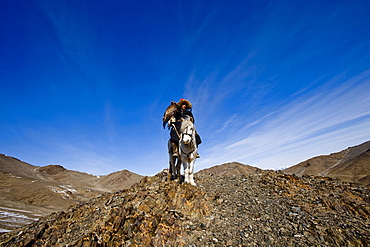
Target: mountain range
264, 208
29, 192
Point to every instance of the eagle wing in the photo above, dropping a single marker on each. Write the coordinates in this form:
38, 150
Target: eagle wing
169, 113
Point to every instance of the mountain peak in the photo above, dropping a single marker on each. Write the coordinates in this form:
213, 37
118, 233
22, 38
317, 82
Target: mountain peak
232, 168
50, 169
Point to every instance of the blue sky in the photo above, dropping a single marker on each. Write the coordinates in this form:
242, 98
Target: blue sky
84, 84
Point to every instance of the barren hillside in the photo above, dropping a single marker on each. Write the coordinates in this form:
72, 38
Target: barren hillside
350, 165
233, 168
28, 192
265, 208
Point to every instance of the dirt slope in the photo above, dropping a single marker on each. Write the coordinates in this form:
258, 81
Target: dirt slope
28, 192
350, 165
233, 168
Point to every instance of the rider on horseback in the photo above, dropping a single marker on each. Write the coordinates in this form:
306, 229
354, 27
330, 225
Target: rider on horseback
184, 108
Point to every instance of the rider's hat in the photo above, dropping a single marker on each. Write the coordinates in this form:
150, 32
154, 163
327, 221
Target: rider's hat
184, 102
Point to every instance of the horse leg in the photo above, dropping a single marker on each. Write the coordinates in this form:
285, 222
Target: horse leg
186, 171
172, 161
178, 169
191, 172
171, 171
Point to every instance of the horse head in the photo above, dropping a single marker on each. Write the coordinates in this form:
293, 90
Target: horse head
187, 131
187, 136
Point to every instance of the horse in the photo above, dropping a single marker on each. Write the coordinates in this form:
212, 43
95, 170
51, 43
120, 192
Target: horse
188, 149
187, 152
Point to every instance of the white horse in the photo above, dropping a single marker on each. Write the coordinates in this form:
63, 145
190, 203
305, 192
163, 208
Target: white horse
187, 152
188, 149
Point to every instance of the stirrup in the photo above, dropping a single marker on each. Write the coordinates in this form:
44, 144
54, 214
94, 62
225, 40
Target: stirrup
197, 156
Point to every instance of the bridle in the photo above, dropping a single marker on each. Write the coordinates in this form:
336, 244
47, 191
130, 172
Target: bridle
186, 130
191, 135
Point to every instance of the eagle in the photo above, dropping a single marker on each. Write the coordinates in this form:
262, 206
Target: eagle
169, 113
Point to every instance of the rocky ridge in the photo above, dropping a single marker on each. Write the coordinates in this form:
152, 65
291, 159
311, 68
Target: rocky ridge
265, 208
275, 209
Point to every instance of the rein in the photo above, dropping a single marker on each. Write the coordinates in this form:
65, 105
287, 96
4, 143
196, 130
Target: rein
177, 133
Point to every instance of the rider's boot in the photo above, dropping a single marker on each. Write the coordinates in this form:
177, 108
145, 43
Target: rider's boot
175, 151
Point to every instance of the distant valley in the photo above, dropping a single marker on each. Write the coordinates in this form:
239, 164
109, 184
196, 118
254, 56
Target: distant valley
28, 192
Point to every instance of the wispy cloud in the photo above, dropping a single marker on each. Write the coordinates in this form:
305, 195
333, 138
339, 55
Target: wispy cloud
281, 95
110, 121
322, 121
70, 25
71, 28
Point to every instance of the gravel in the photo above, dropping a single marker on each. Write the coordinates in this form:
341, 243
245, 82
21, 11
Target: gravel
265, 208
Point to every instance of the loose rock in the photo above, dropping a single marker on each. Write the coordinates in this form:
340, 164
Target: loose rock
266, 208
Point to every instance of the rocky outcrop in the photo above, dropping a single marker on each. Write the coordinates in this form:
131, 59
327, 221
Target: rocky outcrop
265, 208
50, 169
270, 208
151, 213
